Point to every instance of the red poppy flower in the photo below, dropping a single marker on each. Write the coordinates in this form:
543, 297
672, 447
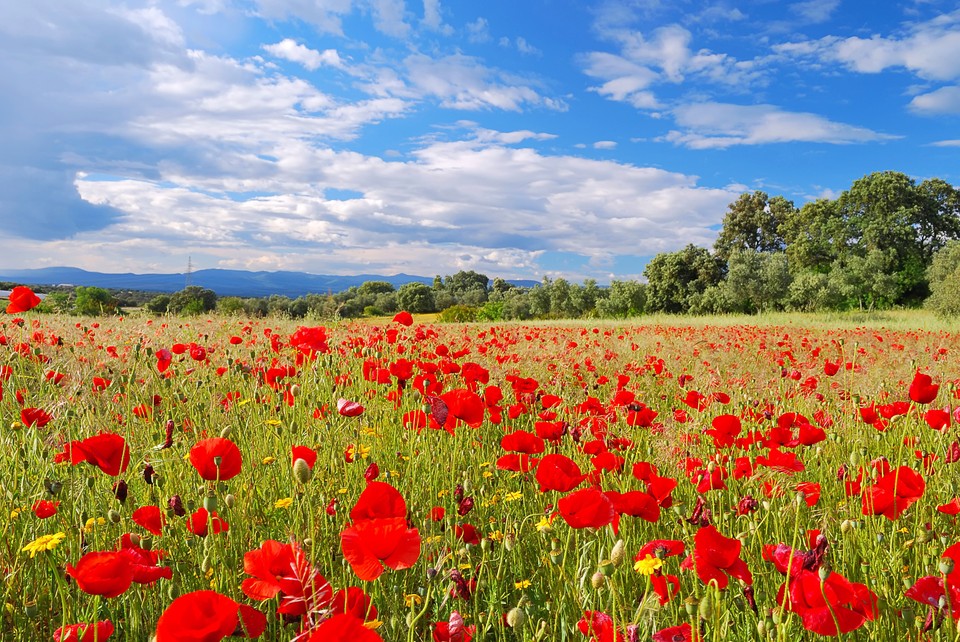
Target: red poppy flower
44, 508
349, 408
599, 626
145, 563
106, 573
284, 569
922, 389
453, 630
893, 493
216, 459
587, 508
464, 405
680, 633
97, 632
22, 299
831, 606
106, 451
35, 417
521, 441
379, 535
344, 627
354, 601
403, 318
937, 419
715, 557
201, 523
306, 454
150, 518
207, 616
558, 472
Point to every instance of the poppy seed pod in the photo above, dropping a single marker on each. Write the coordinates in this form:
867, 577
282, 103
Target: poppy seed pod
619, 553
598, 580
946, 565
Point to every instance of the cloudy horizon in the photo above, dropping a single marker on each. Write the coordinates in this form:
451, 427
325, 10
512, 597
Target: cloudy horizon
522, 140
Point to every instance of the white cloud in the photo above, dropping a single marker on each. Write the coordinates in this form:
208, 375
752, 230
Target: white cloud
456, 204
605, 144
815, 11
720, 125
525, 47
664, 56
945, 100
478, 31
947, 143
289, 49
463, 82
930, 49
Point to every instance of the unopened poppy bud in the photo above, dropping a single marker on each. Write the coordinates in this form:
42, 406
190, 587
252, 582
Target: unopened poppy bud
705, 609
509, 541
229, 500
146, 542
486, 544
206, 564
516, 617
113, 516
295, 389
134, 539
946, 565
225, 433
301, 471
431, 573
846, 526
597, 580
619, 553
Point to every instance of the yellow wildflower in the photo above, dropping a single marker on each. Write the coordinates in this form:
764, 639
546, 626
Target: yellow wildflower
521, 584
373, 624
286, 502
512, 497
496, 536
92, 522
273, 422
544, 525
411, 600
269, 460
648, 565
44, 543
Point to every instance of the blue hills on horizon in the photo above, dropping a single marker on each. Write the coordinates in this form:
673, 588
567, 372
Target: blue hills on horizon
224, 282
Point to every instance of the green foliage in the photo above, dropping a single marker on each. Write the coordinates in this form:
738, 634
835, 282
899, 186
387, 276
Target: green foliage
416, 297
623, 299
92, 301
944, 276
674, 277
159, 304
752, 223
193, 300
458, 314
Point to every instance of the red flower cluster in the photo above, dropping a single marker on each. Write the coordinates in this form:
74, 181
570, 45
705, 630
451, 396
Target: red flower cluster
379, 535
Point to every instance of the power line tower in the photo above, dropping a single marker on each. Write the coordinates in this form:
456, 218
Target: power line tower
189, 274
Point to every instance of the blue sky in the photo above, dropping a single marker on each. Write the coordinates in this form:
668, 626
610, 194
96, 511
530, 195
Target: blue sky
519, 139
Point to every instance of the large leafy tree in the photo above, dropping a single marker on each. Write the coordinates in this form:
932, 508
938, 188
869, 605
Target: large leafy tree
753, 223
674, 277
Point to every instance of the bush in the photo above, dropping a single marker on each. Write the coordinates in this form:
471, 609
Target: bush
944, 276
458, 314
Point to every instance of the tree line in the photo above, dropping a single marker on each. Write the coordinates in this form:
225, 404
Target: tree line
886, 242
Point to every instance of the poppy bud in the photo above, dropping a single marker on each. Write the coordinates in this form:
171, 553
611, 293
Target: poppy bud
229, 500
824, 572
148, 474
113, 516
226, 432
431, 573
619, 553
556, 556
465, 506
372, 472
706, 607
146, 542
486, 544
597, 580
30, 609
206, 565
295, 389
509, 541
516, 617
301, 471
690, 605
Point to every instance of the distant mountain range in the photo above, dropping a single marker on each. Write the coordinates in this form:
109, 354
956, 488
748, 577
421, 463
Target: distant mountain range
223, 282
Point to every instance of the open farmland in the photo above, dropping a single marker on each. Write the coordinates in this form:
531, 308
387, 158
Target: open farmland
411, 481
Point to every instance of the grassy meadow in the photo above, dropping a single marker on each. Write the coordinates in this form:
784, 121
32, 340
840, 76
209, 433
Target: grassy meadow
733, 478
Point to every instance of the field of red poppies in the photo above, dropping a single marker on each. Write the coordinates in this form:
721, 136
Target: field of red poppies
207, 478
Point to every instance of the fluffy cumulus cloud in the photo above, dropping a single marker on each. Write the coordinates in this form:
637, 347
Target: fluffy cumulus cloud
291, 50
